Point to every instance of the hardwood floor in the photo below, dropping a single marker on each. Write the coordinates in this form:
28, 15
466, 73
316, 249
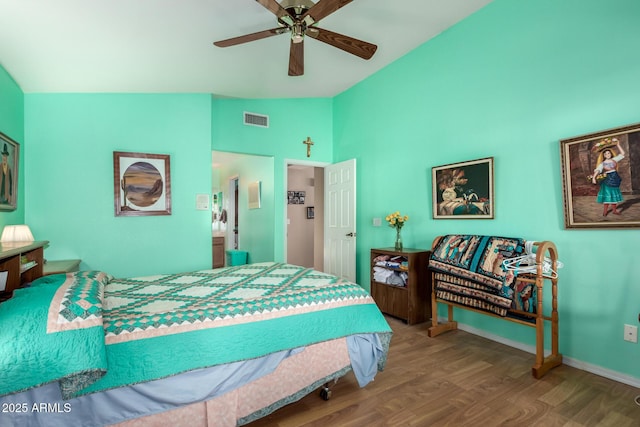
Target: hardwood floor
459, 379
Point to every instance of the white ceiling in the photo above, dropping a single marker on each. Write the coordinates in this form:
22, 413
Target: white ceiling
166, 46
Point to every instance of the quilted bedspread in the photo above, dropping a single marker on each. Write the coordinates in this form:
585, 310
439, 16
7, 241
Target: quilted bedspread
158, 326
72, 352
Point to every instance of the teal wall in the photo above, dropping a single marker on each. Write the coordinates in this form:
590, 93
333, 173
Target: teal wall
71, 140
509, 82
12, 125
291, 121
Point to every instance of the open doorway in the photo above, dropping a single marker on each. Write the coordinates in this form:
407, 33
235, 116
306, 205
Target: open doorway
305, 216
334, 212
232, 230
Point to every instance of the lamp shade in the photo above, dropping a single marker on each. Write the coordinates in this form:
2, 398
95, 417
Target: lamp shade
16, 233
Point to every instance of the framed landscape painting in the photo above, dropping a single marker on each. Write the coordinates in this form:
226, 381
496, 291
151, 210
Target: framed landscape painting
600, 181
9, 173
141, 184
463, 190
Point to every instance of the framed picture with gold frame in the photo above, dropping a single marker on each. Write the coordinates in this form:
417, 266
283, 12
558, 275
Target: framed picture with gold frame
599, 171
9, 173
141, 184
463, 190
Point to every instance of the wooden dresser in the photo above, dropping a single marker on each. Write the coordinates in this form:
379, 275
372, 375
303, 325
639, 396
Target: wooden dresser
20, 263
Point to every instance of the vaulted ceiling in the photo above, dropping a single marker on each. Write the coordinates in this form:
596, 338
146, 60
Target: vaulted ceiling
166, 46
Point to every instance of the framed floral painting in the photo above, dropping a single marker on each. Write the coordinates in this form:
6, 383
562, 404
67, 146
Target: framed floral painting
9, 173
463, 190
141, 184
599, 178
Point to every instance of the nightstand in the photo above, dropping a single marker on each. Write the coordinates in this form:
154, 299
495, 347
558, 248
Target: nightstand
62, 266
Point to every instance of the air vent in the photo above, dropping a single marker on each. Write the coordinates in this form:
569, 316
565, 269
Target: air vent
253, 119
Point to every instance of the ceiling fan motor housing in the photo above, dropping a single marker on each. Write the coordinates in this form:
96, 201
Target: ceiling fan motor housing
296, 7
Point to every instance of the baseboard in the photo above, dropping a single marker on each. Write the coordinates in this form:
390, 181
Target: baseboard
574, 363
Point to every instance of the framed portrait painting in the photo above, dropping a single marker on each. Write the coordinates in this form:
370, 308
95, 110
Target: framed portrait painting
9, 173
599, 178
141, 184
463, 190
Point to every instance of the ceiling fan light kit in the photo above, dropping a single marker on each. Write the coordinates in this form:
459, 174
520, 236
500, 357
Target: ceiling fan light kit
297, 33
299, 17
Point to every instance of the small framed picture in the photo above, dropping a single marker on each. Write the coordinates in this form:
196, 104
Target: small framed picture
463, 190
141, 184
598, 178
9, 173
310, 212
254, 195
295, 197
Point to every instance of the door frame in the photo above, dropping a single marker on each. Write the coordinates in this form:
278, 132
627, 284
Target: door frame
296, 162
231, 212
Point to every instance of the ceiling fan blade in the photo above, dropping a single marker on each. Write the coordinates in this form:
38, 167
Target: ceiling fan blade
251, 37
354, 46
296, 59
324, 8
275, 8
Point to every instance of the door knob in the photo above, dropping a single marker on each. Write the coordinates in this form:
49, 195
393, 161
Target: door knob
352, 234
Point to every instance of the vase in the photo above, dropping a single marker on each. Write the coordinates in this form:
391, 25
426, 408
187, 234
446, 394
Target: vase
398, 245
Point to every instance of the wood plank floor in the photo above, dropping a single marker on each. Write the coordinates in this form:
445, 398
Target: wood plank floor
459, 379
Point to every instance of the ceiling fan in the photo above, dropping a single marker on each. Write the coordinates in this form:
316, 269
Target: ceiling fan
299, 17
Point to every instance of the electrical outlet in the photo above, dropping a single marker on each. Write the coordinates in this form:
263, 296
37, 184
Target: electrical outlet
630, 333
377, 222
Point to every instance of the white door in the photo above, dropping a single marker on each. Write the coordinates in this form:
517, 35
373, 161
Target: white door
340, 219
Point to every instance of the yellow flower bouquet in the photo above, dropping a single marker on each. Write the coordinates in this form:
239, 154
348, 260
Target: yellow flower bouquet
397, 221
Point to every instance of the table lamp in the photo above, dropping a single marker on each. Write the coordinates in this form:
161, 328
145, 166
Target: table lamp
16, 233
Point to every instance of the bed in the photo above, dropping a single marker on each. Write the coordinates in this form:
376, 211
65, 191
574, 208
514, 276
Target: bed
219, 347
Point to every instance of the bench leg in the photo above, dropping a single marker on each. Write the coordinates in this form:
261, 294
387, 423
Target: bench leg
439, 328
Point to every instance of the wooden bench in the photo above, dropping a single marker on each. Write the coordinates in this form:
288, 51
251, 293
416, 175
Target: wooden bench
536, 320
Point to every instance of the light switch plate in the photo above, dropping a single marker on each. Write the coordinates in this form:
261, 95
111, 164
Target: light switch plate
630, 333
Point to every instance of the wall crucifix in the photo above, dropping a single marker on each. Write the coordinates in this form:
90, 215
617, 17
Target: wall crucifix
308, 143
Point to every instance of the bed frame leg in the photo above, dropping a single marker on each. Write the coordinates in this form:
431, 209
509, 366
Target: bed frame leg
325, 390
325, 393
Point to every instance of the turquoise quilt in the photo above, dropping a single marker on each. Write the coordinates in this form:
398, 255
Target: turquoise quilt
92, 332
72, 352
